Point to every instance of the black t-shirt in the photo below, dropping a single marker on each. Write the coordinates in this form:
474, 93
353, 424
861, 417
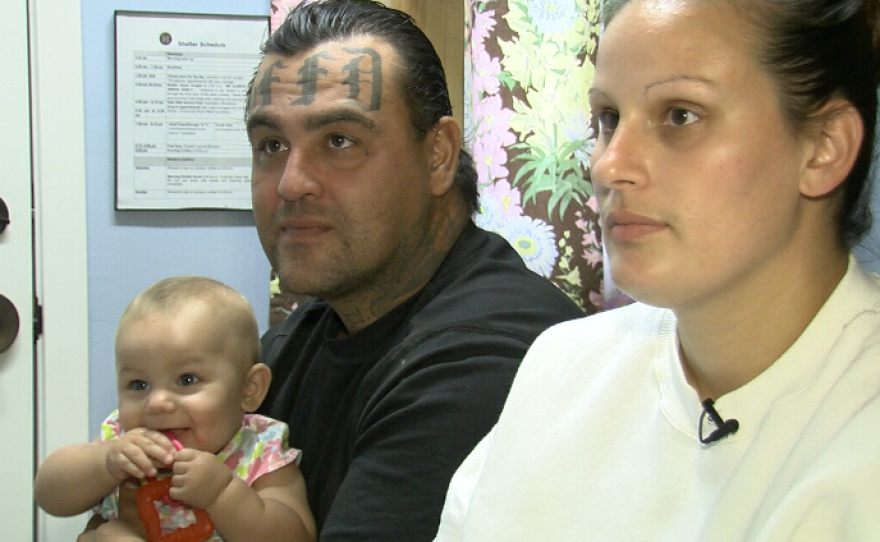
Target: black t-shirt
385, 416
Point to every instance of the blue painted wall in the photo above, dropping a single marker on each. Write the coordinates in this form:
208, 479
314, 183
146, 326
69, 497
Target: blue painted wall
129, 250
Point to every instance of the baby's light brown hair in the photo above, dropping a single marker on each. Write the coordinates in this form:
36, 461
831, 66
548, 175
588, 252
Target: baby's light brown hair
230, 310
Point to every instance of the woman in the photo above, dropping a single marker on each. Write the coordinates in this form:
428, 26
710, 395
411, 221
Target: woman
739, 399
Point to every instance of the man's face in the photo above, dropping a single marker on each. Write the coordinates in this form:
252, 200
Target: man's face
340, 182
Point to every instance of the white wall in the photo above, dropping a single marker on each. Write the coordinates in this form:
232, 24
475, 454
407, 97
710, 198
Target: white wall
129, 250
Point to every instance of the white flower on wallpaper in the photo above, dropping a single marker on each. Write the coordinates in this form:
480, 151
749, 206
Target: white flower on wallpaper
552, 16
535, 240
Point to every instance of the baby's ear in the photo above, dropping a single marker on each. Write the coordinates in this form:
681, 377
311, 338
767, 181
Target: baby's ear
256, 387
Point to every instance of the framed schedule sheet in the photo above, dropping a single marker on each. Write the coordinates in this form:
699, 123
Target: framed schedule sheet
181, 81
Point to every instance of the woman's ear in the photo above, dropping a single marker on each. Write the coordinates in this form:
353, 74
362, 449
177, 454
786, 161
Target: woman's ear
444, 155
256, 387
836, 138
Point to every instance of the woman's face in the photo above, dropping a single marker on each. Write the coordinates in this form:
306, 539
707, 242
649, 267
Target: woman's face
696, 170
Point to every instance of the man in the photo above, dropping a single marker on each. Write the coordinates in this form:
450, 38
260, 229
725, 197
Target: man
363, 199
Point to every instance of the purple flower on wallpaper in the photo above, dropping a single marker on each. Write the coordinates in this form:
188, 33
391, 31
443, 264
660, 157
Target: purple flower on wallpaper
483, 25
490, 159
508, 198
593, 252
492, 138
498, 202
493, 120
535, 241
552, 16
486, 69
280, 9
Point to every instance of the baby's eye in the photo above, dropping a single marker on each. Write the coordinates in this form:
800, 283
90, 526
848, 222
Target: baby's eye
682, 117
187, 379
608, 120
137, 385
337, 141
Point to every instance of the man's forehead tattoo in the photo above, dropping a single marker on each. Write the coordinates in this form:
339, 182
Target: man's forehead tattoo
374, 75
309, 78
362, 73
264, 87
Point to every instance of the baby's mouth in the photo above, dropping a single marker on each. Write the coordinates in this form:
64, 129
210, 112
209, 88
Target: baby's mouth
174, 436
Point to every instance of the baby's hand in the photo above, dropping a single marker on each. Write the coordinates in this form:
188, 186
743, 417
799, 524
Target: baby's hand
138, 453
199, 477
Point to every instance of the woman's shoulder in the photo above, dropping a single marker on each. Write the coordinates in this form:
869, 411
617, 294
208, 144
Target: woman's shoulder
613, 325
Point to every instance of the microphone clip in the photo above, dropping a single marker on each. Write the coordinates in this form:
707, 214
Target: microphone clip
723, 429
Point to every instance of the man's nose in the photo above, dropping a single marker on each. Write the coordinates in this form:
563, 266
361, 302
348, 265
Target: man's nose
298, 179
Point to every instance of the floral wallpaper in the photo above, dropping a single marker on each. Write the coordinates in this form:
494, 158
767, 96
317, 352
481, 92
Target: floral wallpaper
528, 66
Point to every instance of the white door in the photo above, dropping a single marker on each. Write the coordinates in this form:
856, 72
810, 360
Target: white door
43, 385
17, 373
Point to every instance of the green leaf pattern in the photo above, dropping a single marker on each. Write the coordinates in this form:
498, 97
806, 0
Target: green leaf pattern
528, 66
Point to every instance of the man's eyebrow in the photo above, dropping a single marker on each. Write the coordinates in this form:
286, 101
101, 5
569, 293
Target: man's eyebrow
312, 122
257, 120
316, 122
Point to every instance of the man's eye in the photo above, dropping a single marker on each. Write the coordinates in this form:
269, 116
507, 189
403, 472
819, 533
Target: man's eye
608, 121
272, 146
187, 380
682, 117
337, 141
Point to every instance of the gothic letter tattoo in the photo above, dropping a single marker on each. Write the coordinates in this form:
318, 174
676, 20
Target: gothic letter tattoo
309, 78
264, 87
355, 75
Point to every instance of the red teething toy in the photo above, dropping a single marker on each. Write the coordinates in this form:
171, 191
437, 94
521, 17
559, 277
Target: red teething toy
157, 490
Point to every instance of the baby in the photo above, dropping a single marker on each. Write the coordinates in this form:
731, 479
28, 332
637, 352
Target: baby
188, 377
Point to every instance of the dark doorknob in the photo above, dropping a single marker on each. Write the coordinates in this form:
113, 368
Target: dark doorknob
4, 215
8, 323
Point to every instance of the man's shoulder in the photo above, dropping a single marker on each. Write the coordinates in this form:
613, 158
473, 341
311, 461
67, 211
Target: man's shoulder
306, 315
484, 277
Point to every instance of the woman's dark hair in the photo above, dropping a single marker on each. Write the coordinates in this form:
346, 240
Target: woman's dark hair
818, 51
421, 76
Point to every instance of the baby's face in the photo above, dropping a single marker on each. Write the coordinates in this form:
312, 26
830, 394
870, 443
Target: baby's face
180, 374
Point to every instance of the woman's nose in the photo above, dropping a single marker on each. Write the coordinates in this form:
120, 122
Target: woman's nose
618, 159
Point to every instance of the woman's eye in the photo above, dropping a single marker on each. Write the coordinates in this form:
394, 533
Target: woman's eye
608, 121
337, 141
682, 117
187, 380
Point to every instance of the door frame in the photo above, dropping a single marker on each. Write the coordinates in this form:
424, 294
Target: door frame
60, 247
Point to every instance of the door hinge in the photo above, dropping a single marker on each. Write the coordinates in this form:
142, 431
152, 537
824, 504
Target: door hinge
38, 320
